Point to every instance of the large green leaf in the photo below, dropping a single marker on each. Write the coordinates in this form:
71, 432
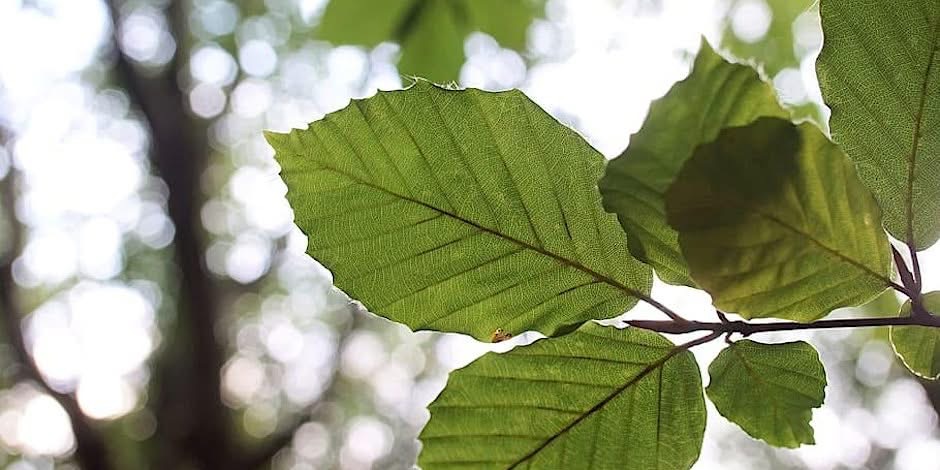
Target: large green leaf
879, 71
598, 398
919, 346
775, 223
431, 32
716, 94
769, 390
462, 211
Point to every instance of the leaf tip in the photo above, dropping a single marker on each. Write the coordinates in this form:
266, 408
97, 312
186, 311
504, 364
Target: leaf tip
275, 139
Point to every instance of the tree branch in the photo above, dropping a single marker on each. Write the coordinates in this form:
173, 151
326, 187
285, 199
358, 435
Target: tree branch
747, 328
179, 154
662, 308
91, 452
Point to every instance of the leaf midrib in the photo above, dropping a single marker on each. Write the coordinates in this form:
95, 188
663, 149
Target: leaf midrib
768, 386
918, 120
808, 236
659, 363
554, 256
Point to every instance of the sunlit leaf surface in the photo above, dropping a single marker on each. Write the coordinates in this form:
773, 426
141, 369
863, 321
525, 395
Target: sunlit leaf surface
919, 346
879, 71
769, 390
775, 223
716, 94
461, 211
597, 398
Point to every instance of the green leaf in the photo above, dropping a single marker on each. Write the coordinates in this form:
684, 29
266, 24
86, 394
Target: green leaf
597, 398
431, 32
769, 390
919, 346
506, 21
879, 71
462, 211
774, 223
364, 22
432, 46
716, 94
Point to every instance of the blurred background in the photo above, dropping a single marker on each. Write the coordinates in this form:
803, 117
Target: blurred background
158, 310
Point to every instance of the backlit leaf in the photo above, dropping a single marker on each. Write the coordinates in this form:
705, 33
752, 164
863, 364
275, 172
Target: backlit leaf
716, 94
462, 211
769, 390
919, 346
597, 398
775, 223
879, 71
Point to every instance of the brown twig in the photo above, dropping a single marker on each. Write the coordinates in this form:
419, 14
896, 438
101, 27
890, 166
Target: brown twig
745, 328
901, 264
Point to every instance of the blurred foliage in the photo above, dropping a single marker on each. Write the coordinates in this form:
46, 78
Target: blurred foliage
776, 49
791, 35
431, 33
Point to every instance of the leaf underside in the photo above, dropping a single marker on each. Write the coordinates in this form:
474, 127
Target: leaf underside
774, 223
879, 71
717, 94
919, 346
769, 390
598, 398
460, 211
431, 32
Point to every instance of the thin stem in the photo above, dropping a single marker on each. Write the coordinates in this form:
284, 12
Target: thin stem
666, 310
918, 280
906, 277
722, 316
699, 341
901, 289
746, 328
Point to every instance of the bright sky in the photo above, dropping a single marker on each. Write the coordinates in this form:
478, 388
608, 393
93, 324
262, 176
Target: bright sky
87, 192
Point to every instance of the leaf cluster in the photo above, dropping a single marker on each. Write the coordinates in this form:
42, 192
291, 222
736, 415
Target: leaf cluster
477, 213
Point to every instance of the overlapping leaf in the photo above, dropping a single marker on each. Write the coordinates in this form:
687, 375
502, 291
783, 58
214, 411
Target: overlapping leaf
769, 390
716, 94
775, 223
461, 211
919, 346
879, 71
597, 398
431, 32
